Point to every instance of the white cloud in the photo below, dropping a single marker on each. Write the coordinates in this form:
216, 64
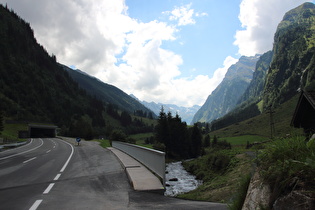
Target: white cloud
259, 19
99, 38
187, 91
184, 15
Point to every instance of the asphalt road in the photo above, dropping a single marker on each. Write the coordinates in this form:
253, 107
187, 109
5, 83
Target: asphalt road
27, 171
56, 174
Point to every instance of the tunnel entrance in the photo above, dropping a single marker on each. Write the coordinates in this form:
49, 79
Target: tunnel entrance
42, 131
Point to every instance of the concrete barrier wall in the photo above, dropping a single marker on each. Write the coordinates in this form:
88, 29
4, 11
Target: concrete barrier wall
152, 159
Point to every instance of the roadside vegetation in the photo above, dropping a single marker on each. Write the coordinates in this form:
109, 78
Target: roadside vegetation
285, 162
104, 142
10, 132
288, 164
222, 169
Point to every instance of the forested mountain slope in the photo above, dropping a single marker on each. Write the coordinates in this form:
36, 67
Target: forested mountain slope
33, 87
106, 92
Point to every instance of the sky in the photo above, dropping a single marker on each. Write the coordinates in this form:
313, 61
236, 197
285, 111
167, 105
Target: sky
166, 51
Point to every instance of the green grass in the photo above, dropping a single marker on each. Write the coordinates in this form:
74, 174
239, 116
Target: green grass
140, 139
242, 140
260, 125
11, 131
104, 143
287, 164
240, 195
218, 186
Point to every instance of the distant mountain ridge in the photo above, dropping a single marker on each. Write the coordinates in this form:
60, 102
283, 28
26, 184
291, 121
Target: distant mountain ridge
105, 92
186, 113
225, 97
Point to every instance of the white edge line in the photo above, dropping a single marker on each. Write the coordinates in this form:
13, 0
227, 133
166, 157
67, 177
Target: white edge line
29, 160
36, 204
57, 177
18, 147
67, 162
49, 188
3, 158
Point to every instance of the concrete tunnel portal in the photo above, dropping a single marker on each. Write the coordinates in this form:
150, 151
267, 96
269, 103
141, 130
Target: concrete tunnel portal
42, 131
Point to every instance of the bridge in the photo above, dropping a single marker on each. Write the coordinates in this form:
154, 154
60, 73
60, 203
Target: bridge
145, 167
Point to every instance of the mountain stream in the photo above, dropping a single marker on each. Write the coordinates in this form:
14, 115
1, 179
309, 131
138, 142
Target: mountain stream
182, 181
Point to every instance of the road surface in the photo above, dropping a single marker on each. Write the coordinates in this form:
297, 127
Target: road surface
57, 174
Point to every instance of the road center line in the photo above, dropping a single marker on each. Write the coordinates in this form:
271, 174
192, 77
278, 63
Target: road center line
29, 160
57, 177
35, 205
49, 188
48, 151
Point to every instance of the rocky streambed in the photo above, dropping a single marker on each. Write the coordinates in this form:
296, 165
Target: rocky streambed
178, 180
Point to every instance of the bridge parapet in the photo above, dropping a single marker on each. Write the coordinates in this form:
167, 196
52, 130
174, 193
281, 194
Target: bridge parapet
152, 159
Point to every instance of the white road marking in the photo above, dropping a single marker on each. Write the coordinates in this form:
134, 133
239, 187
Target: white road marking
65, 165
35, 205
29, 160
49, 188
3, 158
17, 147
57, 177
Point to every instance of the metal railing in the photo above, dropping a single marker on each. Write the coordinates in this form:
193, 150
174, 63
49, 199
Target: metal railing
152, 159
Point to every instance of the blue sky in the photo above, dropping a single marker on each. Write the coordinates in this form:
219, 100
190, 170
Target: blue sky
196, 42
167, 51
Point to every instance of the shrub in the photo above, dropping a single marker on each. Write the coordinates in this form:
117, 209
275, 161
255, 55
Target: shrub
286, 164
218, 161
118, 135
238, 201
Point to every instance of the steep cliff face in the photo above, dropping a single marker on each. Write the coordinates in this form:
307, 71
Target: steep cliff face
224, 98
293, 63
256, 87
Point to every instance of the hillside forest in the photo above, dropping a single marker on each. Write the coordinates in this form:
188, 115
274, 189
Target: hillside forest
36, 88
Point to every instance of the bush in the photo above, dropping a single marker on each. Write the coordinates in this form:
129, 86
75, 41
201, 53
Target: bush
286, 164
159, 146
218, 161
118, 135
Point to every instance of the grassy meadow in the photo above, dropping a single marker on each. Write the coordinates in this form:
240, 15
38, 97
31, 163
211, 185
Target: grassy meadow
10, 131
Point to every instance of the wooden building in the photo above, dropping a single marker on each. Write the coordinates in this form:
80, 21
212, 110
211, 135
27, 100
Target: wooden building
304, 115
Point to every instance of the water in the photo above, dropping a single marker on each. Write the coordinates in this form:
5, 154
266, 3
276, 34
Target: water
186, 182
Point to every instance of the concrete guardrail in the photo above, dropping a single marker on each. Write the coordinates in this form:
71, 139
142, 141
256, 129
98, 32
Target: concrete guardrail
152, 159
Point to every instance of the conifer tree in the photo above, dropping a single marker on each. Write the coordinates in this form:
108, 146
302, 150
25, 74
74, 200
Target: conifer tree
196, 141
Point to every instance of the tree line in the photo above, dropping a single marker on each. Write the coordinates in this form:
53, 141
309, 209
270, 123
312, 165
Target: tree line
180, 142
